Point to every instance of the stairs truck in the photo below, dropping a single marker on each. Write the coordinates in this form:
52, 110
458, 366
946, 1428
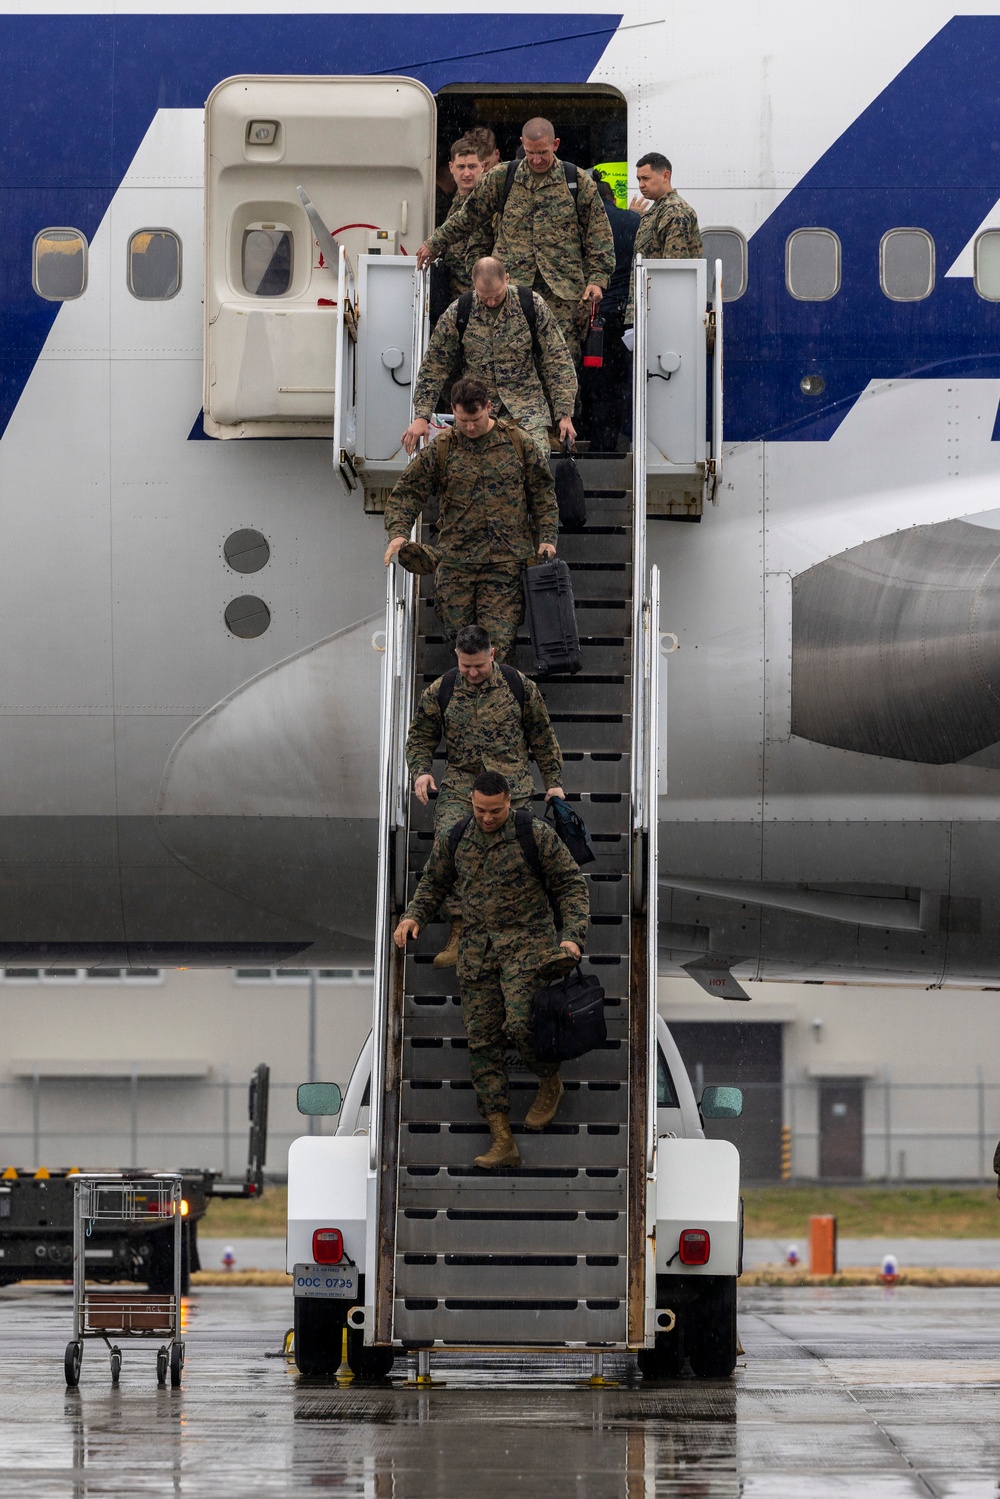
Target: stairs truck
620, 1231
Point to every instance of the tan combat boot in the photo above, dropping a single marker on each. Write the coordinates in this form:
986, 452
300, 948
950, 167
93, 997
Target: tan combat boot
503, 1151
449, 957
547, 1100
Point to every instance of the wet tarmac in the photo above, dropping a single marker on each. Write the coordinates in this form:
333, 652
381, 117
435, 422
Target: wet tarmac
887, 1393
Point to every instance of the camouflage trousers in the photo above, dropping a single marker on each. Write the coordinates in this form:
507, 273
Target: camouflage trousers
497, 1007
536, 424
489, 594
453, 803
572, 316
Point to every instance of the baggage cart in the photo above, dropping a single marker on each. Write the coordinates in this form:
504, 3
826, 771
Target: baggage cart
124, 1197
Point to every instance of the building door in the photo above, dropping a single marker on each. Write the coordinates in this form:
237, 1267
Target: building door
841, 1129
749, 1055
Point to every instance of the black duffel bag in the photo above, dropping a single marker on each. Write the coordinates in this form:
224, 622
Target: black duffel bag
570, 494
569, 1018
572, 829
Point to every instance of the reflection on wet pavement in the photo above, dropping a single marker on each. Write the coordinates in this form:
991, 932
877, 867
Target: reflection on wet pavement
843, 1393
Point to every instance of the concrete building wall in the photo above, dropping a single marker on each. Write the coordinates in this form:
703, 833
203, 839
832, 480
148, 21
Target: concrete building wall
98, 1072
922, 1060
104, 1071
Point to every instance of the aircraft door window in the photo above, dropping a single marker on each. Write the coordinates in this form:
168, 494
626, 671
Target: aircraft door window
812, 265
267, 260
154, 265
987, 265
59, 264
729, 246
906, 265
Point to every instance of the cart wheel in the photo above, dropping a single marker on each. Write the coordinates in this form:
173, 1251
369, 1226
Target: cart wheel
116, 1364
162, 1365
176, 1365
73, 1360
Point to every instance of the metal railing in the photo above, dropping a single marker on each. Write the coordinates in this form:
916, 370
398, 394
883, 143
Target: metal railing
397, 691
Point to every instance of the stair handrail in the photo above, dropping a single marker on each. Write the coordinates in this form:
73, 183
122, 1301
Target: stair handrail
645, 701
394, 711
651, 776
639, 823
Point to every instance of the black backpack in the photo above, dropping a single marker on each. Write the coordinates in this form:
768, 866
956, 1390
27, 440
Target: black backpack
572, 829
527, 300
569, 1018
523, 818
513, 678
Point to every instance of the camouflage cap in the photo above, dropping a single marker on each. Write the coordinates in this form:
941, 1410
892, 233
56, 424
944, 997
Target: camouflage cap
417, 558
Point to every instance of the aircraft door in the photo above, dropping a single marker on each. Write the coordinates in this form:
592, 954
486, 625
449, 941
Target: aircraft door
392, 335
678, 384
298, 168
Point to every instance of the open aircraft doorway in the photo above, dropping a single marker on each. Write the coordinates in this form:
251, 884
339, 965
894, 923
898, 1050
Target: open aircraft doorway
591, 120
591, 125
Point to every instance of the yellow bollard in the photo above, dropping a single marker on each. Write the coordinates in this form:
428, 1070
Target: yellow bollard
344, 1374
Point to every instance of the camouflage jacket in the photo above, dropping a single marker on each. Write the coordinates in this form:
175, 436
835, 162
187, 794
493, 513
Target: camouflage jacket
668, 231
497, 350
460, 257
503, 903
490, 501
485, 728
544, 230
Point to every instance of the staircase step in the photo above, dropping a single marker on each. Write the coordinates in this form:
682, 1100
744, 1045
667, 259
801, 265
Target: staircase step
596, 544
509, 1273
605, 472
464, 1320
445, 1020
516, 1231
560, 1146
448, 1061
441, 1103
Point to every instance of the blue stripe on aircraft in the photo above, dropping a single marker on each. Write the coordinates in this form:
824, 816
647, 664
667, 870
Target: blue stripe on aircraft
925, 154
79, 93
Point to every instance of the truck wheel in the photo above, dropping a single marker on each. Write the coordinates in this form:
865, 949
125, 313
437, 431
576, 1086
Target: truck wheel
666, 1359
710, 1331
319, 1335
367, 1363
72, 1362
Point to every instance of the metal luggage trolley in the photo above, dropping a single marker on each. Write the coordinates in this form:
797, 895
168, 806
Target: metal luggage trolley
125, 1197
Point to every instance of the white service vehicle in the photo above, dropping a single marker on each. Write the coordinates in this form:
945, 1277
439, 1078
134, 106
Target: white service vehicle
698, 1232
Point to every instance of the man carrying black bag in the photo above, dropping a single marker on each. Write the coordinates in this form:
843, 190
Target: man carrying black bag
509, 871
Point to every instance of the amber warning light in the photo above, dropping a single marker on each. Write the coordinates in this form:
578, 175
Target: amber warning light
328, 1246
695, 1246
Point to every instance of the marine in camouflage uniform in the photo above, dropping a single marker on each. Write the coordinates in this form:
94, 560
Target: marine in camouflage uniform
484, 728
548, 239
497, 349
507, 932
669, 231
461, 256
491, 498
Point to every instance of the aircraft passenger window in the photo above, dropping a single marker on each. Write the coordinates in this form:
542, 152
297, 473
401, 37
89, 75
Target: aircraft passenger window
59, 264
812, 265
666, 1098
987, 265
906, 264
729, 246
154, 265
267, 260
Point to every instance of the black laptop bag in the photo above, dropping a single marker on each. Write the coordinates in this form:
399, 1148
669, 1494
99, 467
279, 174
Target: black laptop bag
569, 1018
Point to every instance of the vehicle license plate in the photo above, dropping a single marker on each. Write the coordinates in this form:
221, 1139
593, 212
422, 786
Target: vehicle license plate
337, 1281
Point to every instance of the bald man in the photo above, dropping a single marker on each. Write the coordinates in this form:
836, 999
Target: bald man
551, 231
535, 390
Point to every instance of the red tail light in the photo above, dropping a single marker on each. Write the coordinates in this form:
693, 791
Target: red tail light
695, 1246
328, 1246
